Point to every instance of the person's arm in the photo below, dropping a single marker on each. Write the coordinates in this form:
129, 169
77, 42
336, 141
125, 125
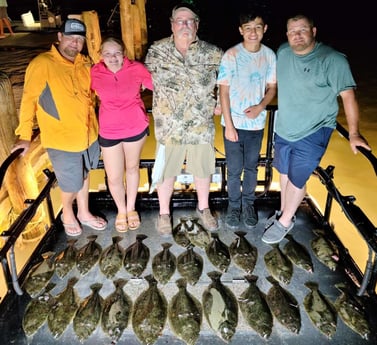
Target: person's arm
253, 111
351, 110
32, 89
230, 132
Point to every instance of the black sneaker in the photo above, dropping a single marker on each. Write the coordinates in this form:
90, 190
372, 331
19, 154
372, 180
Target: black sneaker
250, 216
232, 219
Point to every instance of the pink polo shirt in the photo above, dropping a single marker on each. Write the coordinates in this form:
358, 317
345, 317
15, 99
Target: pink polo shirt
122, 111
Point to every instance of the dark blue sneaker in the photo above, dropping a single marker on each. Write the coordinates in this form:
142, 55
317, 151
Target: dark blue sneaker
232, 219
250, 216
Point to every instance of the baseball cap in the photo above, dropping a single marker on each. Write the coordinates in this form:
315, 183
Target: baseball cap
184, 6
74, 27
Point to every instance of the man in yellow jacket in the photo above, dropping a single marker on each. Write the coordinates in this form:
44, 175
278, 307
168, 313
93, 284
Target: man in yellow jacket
57, 92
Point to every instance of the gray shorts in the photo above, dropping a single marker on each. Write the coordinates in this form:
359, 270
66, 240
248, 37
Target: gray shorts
71, 168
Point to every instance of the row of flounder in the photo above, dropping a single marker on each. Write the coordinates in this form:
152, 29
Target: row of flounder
219, 303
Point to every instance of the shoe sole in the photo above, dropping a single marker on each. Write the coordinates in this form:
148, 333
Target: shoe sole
233, 227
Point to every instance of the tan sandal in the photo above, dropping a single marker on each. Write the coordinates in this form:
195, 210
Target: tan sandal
133, 220
121, 224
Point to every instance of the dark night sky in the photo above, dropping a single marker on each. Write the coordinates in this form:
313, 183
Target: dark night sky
335, 19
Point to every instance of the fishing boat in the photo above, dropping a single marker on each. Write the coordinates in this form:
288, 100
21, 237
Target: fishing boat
38, 229
360, 280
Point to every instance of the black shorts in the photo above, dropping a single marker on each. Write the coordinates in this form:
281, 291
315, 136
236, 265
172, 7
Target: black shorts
112, 142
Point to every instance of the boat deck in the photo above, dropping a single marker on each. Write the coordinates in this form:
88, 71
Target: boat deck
307, 220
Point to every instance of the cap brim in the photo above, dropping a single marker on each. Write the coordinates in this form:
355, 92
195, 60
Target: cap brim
74, 33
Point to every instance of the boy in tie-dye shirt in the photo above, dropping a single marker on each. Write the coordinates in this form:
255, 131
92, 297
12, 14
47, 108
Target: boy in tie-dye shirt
247, 83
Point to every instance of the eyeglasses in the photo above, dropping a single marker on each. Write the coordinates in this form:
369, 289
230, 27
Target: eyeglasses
188, 22
109, 55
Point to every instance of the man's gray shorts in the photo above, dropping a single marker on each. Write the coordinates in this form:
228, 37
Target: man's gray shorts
71, 168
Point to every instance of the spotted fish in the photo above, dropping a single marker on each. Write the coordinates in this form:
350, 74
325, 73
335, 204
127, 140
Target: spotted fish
88, 314
136, 256
243, 253
63, 310
220, 307
254, 308
283, 306
65, 261
116, 311
37, 310
352, 312
279, 266
298, 254
88, 255
111, 259
180, 233
190, 265
321, 313
185, 314
218, 253
325, 251
40, 275
197, 234
149, 313
164, 264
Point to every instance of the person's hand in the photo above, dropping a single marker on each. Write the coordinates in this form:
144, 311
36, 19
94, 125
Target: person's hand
21, 144
217, 110
253, 111
231, 134
358, 140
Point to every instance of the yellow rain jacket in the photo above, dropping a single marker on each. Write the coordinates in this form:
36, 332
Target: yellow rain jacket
58, 93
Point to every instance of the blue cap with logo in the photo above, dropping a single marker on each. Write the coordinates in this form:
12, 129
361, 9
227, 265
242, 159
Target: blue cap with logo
74, 27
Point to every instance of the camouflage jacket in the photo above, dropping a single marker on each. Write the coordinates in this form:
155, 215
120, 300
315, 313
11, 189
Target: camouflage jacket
184, 91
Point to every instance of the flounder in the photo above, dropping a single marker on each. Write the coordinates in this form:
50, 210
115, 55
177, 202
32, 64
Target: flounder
37, 310
136, 256
218, 253
149, 313
111, 259
117, 308
65, 261
190, 265
243, 253
88, 255
88, 314
254, 308
321, 313
220, 307
164, 264
40, 275
63, 311
352, 312
283, 306
185, 314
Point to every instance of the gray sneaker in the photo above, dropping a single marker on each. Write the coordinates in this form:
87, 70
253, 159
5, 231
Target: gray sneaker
271, 220
276, 232
250, 216
274, 217
232, 219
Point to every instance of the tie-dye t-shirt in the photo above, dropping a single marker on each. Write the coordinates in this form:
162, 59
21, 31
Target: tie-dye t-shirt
247, 75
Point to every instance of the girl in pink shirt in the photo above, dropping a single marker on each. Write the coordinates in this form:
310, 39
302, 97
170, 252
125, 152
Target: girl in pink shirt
123, 125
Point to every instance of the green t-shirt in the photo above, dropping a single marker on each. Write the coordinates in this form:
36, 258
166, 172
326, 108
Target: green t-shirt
308, 88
